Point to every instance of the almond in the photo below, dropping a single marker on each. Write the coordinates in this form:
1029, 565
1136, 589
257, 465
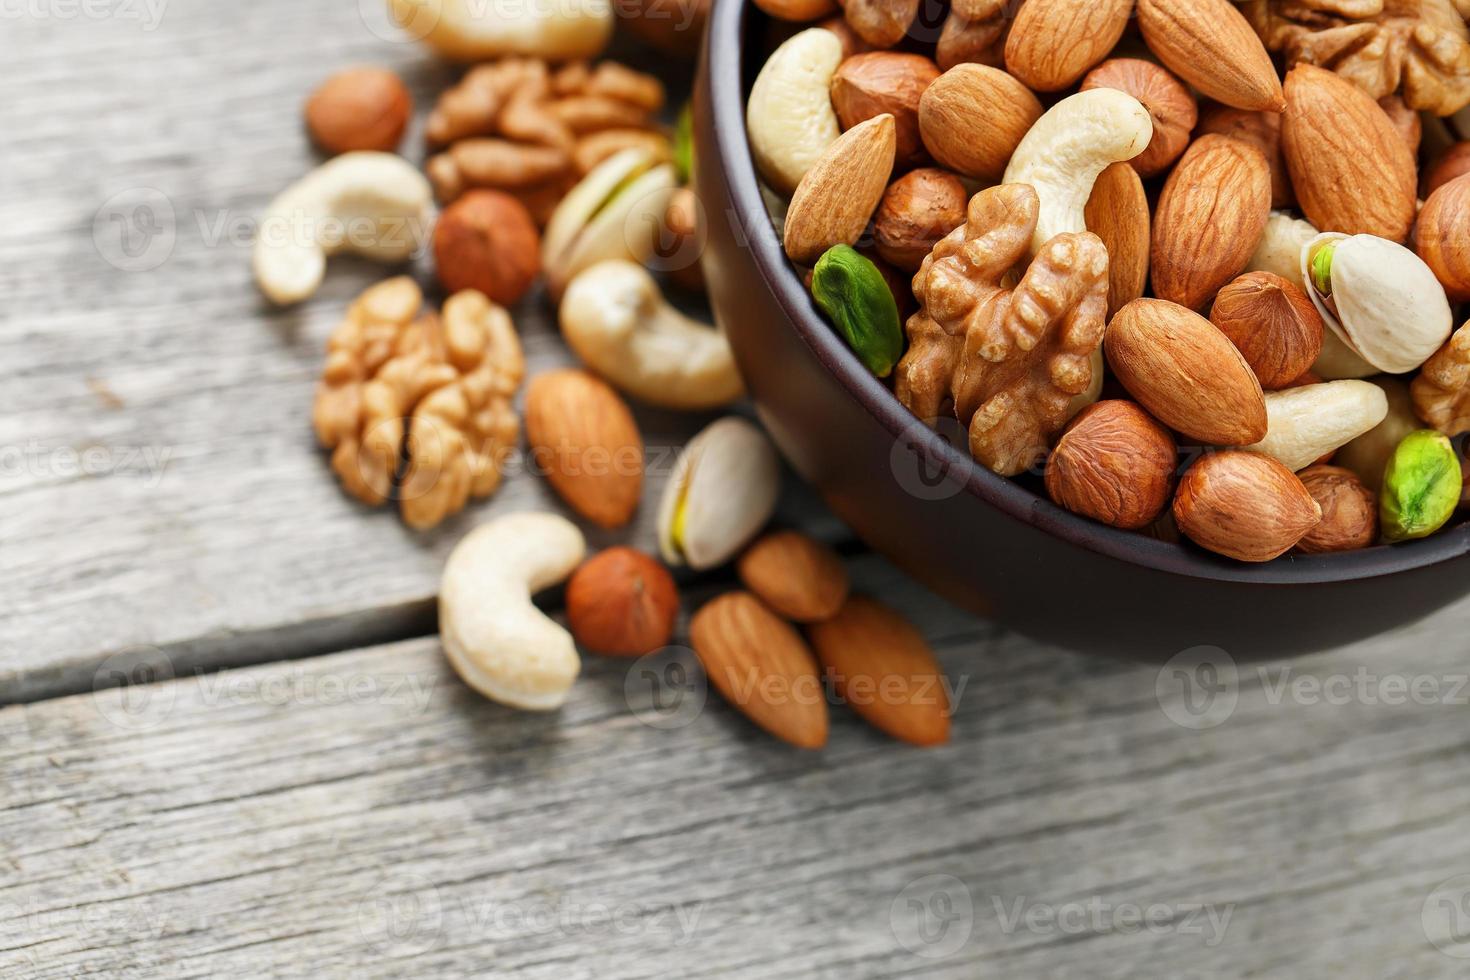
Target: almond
1186, 373
838, 195
1211, 45
1052, 43
1169, 102
761, 665
1210, 218
1244, 506
583, 437
622, 602
973, 117
1117, 213
1273, 324
868, 85
880, 665
798, 577
1351, 169
1263, 131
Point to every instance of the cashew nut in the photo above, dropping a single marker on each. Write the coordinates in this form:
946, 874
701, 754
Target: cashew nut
620, 325
1304, 424
478, 30
372, 204
1062, 155
616, 212
496, 639
789, 115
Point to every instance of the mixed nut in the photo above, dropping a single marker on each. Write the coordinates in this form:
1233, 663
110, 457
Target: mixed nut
1168, 255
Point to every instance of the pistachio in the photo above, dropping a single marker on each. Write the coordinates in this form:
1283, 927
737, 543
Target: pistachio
1379, 298
684, 144
722, 493
850, 290
1421, 486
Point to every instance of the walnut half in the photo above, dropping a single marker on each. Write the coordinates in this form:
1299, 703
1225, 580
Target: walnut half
1009, 361
438, 386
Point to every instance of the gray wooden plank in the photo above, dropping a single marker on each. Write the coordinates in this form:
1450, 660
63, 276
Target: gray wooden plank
158, 475
365, 814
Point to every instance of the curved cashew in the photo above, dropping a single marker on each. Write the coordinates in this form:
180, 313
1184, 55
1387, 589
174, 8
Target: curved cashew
373, 204
1062, 155
616, 212
1306, 423
620, 325
789, 115
496, 639
478, 30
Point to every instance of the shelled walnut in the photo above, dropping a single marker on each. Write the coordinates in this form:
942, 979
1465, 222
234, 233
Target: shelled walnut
439, 386
519, 126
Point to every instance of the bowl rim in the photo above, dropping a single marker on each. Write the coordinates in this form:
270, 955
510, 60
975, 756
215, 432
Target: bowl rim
725, 56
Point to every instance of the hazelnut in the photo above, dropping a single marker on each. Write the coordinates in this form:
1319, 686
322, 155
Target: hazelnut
1263, 131
868, 85
1349, 510
622, 602
1273, 324
917, 210
1114, 464
359, 109
1453, 162
486, 240
1168, 101
1442, 237
1244, 505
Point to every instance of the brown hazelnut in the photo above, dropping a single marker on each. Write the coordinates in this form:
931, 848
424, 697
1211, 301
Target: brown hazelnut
868, 85
1260, 129
1349, 510
1453, 162
917, 210
1273, 324
1244, 505
1442, 237
622, 602
673, 26
1114, 464
486, 240
359, 109
1168, 101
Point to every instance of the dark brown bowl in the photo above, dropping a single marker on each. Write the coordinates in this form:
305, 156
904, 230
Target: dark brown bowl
985, 542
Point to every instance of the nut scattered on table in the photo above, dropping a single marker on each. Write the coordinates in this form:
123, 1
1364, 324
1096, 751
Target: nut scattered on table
622, 602
359, 109
722, 492
797, 576
486, 240
585, 440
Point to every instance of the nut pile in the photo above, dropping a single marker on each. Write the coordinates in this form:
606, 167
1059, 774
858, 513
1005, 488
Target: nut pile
1174, 264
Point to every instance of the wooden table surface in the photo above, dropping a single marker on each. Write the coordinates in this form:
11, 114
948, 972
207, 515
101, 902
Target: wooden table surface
295, 784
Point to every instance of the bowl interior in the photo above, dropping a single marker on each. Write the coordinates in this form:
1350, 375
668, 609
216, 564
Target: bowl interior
736, 47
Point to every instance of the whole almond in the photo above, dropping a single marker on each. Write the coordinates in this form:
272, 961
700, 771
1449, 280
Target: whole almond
1211, 45
1052, 43
1169, 102
917, 210
761, 665
973, 117
798, 577
868, 85
880, 665
838, 195
1442, 237
1244, 505
1263, 131
1117, 213
1349, 510
1210, 217
1114, 464
1186, 373
1273, 324
1350, 167
583, 437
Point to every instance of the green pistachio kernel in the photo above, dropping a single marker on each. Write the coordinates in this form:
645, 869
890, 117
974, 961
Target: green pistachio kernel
856, 298
684, 144
1321, 267
1421, 486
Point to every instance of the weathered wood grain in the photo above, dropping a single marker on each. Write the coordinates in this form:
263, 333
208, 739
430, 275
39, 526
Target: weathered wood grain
365, 814
159, 479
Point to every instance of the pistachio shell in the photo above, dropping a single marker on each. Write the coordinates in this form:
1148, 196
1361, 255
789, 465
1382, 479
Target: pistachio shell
1306, 423
1390, 309
725, 484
